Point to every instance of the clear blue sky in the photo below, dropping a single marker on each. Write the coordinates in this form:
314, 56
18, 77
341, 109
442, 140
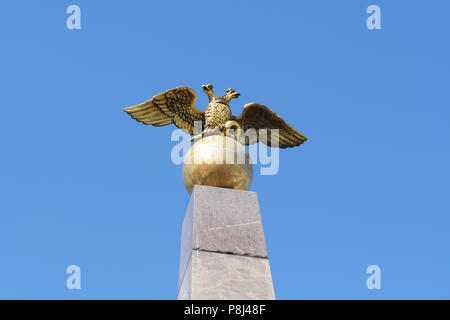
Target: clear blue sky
82, 183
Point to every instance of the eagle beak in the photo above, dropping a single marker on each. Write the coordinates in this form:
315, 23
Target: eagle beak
231, 94
207, 87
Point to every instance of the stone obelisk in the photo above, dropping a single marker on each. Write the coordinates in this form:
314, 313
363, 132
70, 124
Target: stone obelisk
223, 253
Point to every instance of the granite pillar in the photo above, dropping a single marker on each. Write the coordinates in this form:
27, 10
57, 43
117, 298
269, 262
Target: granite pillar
223, 252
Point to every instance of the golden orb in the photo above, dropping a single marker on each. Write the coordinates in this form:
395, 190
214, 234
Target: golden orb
217, 161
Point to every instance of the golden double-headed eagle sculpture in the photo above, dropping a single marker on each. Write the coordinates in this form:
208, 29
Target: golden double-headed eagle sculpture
177, 106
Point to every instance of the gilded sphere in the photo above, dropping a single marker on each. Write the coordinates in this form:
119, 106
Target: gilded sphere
217, 161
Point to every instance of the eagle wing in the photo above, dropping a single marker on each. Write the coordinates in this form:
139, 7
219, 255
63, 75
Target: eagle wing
257, 116
172, 106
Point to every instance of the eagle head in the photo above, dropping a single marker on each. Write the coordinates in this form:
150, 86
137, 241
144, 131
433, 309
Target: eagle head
231, 94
